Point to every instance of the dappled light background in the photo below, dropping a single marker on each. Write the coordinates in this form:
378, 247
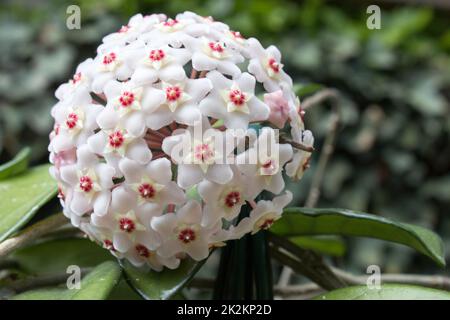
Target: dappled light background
392, 156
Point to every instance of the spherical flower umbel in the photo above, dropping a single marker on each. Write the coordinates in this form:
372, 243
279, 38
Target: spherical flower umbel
163, 137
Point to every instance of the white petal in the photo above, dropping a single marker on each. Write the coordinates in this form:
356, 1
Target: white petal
160, 170
188, 175
219, 173
139, 151
101, 203
121, 242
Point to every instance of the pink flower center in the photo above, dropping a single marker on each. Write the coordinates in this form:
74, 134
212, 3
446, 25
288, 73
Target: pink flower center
216, 46
156, 55
116, 139
72, 120
237, 34
142, 251
267, 224
147, 191
170, 22
86, 184
127, 225
126, 99
186, 235
274, 65
173, 93
232, 199
109, 58
237, 97
203, 152
124, 29
61, 194
107, 244
76, 78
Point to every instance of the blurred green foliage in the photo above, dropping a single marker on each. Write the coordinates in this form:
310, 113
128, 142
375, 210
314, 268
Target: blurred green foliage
393, 152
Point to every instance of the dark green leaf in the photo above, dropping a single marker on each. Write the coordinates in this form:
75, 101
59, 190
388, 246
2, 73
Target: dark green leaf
153, 285
308, 221
16, 165
61, 253
97, 285
386, 292
307, 89
330, 245
22, 196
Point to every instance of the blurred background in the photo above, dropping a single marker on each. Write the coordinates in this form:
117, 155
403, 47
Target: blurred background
392, 155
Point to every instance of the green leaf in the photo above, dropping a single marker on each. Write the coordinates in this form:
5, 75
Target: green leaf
308, 221
330, 245
97, 285
16, 165
153, 285
386, 292
307, 89
22, 196
62, 253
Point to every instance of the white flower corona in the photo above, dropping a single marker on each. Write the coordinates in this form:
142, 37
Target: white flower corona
121, 116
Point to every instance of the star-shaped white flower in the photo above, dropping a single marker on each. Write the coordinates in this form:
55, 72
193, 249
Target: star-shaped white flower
265, 65
233, 101
183, 233
152, 183
198, 157
91, 181
180, 104
213, 55
263, 163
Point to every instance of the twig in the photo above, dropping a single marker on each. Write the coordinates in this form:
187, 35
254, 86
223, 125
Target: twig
47, 280
325, 155
297, 145
437, 282
328, 146
31, 233
305, 262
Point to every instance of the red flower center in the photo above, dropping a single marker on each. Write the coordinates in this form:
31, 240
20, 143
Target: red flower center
216, 46
232, 199
86, 183
170, 22
127, 225
156, 55
142, 251
274, 65
173, 93
109, 58
126, 99
107, 244
76, 78
267, 224
237, 34
72, 120
146, 191
116, 139
203, 152
124, 29
186, 235
237, 97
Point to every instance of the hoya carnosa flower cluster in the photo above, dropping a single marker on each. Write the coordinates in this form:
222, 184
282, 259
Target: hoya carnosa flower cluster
121, 116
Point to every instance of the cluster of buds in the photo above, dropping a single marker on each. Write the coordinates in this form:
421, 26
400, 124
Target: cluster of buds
174, 126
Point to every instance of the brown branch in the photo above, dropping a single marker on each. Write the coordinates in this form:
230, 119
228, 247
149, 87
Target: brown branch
47, 280
325, 155
305, 262
328, 146
32, 233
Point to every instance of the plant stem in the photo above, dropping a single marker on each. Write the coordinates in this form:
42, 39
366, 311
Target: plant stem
32, 233
305, 262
